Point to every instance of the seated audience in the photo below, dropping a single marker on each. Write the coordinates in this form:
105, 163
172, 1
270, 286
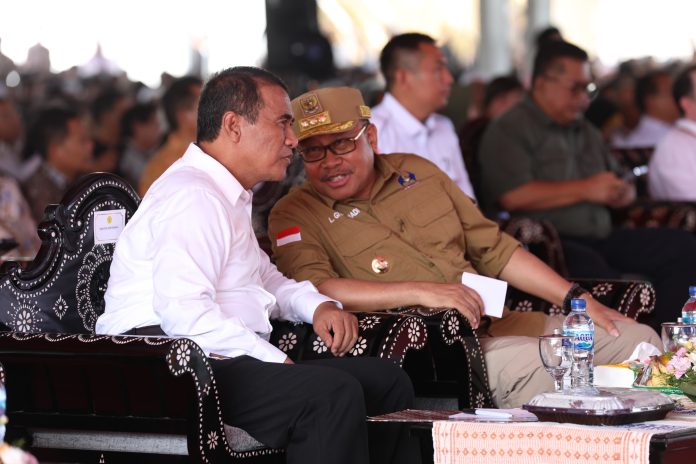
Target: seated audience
605, 116
11, 132
141, 137
672, 169
418, 85
500, 94
653, 94
107, 112
378, 232
60, 136
180, 104
188, 265
544, 159
16, 222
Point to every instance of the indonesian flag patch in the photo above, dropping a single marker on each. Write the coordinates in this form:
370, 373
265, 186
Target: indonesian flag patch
289, 235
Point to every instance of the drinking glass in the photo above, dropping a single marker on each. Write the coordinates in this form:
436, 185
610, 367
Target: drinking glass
556, 353
675, 334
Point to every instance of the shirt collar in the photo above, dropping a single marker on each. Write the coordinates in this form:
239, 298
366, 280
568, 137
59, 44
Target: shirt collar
541, 117
222, 177
410, 124
687, 125
57, 177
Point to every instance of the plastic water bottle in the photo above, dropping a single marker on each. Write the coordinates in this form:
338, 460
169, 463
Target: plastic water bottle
580, 326
689, 309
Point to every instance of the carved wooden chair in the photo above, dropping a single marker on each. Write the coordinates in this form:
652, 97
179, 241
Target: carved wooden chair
646, 212
75, 395
634, 298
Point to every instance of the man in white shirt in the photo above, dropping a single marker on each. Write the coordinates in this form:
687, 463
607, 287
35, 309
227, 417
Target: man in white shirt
418, 85
653, 97
672, 169
188, 265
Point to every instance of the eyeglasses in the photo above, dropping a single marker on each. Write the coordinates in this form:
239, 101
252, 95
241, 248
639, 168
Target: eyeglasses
576, 88
337, 147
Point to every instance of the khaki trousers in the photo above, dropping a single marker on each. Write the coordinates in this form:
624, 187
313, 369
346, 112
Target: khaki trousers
515, 371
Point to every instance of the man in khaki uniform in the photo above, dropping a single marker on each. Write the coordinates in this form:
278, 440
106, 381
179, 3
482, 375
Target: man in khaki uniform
377, 232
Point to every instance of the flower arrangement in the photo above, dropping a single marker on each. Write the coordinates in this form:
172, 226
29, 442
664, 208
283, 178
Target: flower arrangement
11, 455
676, 369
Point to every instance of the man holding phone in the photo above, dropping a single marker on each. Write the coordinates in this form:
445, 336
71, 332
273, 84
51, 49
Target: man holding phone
545, 160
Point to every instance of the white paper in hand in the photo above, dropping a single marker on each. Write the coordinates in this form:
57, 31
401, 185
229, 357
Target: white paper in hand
492, 292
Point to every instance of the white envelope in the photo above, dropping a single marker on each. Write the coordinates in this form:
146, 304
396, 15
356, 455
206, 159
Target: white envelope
492, 292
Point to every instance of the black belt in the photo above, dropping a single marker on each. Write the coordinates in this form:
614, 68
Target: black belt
147, 330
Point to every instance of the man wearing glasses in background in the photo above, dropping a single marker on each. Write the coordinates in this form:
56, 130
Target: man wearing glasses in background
544, 159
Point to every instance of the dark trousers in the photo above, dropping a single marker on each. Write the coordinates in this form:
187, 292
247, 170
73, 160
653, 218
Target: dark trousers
666, 257
316, 409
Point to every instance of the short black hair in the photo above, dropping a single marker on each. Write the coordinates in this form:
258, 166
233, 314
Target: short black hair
500, 86
646, 86
234, 89
50, 126
600, 111
179, 96
546, 35
138, 113
390, 57
683, 86
550, 52
105, 102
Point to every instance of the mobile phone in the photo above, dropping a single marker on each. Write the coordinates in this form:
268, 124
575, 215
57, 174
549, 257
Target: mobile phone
638, 171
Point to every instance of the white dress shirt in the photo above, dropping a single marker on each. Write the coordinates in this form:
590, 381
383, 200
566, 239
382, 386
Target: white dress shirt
189, 261
647, 133
436, 140
672, 168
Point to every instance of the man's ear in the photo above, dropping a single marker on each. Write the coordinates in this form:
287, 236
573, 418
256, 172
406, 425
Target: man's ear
231, 126
403, 77
372, 137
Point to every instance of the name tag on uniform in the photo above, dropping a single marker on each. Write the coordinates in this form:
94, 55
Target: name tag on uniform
492, 292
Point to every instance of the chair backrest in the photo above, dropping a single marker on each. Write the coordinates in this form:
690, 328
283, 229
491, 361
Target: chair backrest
62, 289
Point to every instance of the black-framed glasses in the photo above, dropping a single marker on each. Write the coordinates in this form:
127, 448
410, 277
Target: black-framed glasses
576, 88
338, 147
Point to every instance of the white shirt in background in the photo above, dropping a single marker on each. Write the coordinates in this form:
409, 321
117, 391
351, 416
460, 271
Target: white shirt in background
436, 140
647, 133
672, 168
189, 261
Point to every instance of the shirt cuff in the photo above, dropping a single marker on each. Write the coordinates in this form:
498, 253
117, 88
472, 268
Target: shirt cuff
310, 303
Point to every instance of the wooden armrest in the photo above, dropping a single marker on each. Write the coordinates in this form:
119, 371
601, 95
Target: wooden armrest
651, 213
632, 298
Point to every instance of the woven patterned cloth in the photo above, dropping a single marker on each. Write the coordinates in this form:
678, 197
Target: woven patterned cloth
546, 442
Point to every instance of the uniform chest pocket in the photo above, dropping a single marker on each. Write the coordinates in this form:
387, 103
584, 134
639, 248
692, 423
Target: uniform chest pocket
434, 224
430, 211
357, 240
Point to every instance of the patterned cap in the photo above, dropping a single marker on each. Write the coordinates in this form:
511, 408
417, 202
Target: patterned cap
328, 111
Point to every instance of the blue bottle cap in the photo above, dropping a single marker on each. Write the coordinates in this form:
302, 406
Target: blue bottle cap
578, 304
692, 291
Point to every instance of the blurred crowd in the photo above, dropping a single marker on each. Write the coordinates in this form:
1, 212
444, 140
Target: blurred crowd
56, 127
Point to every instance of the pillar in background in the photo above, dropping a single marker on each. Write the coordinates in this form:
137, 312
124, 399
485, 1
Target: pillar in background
493, 56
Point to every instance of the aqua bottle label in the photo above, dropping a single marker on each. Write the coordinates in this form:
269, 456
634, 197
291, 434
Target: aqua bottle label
584, 339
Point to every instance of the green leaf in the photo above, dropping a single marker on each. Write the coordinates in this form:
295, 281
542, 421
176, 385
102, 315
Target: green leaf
689, 390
